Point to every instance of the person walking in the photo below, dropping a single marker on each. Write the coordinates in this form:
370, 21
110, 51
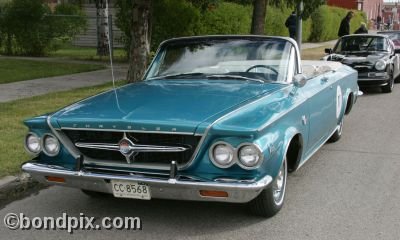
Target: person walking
344, 28
378, 22
291, 24
362, 29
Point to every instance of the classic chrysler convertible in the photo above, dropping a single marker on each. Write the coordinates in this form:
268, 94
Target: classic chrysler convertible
216, 118
373, 56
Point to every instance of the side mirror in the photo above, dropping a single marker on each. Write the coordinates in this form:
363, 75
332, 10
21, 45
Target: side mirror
299, 80
328, 50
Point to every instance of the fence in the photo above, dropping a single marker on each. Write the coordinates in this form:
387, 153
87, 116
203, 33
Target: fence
89, 37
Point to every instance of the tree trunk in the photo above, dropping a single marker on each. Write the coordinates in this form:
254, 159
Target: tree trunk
258, 19
102, 28
141, 36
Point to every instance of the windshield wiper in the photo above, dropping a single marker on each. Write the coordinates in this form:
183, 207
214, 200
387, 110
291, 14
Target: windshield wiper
218, 76
178, 75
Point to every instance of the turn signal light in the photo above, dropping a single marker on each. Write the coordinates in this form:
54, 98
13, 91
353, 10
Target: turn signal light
209, 193
55, 179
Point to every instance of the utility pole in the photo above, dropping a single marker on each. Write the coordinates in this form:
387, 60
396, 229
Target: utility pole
299, 27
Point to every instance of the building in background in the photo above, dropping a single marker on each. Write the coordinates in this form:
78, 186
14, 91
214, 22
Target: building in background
390, 14
372, 8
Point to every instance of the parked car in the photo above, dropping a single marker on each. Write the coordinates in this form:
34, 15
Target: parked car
373, 56
394, 36
216, 118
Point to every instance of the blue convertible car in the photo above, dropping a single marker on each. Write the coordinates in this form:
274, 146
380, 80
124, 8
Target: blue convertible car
216, 118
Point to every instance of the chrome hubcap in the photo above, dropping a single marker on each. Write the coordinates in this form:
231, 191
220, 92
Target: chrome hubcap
278, 189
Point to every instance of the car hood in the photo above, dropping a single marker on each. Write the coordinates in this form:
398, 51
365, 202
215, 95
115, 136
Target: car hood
357, 59
162, 105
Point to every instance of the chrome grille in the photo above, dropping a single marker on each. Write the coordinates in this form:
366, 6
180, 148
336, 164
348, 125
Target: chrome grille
189, 141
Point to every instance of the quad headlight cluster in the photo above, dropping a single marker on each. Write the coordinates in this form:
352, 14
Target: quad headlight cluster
48, 144
247, 155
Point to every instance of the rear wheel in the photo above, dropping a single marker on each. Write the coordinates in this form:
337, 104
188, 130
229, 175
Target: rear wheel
338, 133
271, 199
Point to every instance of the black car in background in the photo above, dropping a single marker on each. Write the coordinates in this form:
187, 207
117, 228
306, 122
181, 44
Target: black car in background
373, 56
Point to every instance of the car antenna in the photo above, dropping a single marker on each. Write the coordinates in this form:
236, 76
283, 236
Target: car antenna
109, 46
111, 59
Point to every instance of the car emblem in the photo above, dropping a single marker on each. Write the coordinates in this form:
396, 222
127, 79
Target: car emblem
124, 147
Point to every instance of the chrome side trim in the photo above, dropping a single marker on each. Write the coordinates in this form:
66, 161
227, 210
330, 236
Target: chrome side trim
128, 130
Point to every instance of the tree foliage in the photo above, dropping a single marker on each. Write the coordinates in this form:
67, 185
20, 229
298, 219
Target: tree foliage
309, 5
29, 27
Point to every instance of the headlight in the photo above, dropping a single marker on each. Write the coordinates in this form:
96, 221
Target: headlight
221, 154
51, 146
250, 156
32, 143
380, 65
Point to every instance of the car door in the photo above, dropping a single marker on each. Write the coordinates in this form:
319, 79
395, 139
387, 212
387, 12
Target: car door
322, 97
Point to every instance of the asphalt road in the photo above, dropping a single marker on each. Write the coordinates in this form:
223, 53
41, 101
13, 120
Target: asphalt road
348, 190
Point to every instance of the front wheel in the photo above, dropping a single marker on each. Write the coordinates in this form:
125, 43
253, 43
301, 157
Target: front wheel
389, 87
270, 200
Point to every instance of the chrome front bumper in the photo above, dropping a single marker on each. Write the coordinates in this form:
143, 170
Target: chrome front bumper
160, 188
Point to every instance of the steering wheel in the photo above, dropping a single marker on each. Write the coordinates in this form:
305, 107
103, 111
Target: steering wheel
263, 66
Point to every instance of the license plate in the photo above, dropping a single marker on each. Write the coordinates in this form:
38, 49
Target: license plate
130, 189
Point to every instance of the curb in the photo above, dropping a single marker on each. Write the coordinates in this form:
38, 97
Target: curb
17, 187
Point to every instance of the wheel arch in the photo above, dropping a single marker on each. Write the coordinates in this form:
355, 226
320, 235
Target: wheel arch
294, 151
349, 103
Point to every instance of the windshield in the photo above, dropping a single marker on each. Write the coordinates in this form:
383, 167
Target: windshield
243, 59
361, 44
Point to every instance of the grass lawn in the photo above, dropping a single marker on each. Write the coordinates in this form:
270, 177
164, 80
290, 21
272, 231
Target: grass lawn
87, 53
12, 130
13, 70
314, 53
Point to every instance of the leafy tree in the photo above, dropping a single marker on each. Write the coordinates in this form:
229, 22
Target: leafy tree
171, 18
29, 27
140, 38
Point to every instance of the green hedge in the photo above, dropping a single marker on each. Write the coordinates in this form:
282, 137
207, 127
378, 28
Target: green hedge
173, 18
326, 21
226, 18
275, 23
